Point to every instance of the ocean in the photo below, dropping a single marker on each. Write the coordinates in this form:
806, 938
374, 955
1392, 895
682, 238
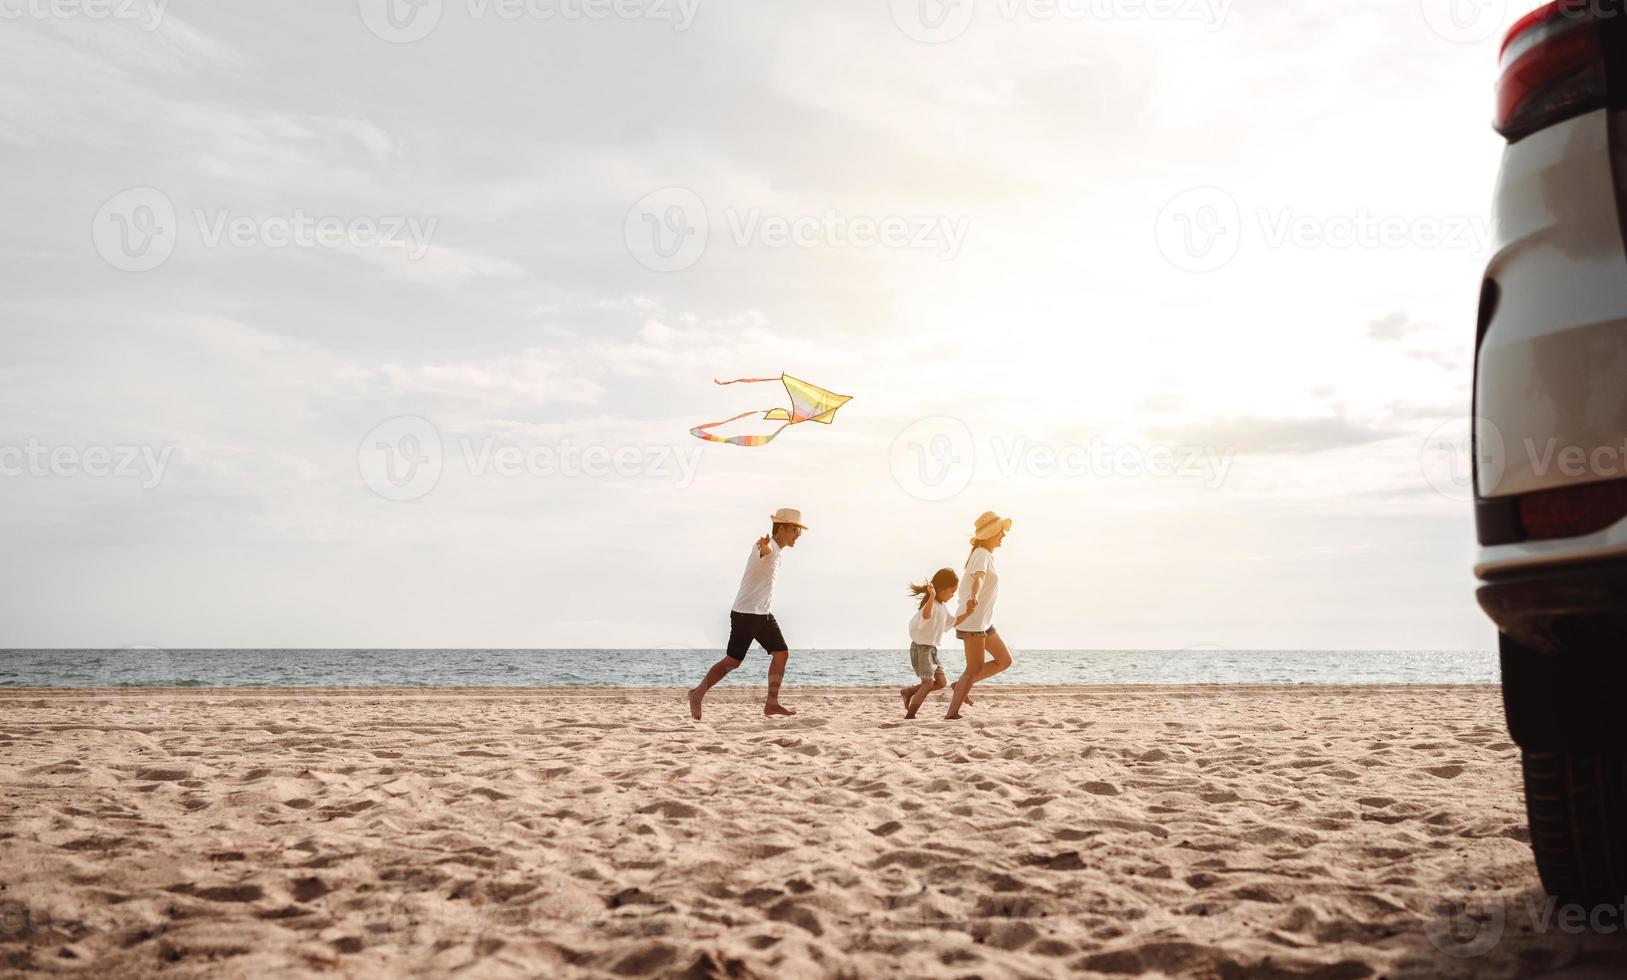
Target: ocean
683, 667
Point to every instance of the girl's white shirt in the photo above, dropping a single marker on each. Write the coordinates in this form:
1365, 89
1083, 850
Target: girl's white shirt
930, 629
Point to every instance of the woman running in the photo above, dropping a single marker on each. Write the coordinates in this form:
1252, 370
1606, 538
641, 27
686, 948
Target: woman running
980, 585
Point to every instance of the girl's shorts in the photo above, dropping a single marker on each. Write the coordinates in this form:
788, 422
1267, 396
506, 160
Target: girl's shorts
924, 660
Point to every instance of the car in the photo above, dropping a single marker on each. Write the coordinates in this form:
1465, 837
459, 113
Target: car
1549, 435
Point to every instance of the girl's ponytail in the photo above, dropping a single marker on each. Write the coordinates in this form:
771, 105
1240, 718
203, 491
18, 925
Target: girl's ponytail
943, 578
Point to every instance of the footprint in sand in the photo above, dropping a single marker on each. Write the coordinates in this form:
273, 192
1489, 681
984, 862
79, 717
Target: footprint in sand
798, 915
907, 858
222, 893
646, 960
1012, 935
1063, 861
309, 889
158, 775
672, 809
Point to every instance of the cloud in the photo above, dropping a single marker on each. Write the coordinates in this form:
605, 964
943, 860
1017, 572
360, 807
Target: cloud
1163, 403
532, 377
102, 78
1395, 326
1411, 411
1448, 359
1298, 436
439, 265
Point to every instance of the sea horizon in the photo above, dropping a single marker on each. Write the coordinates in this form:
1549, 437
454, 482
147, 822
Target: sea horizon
232, 667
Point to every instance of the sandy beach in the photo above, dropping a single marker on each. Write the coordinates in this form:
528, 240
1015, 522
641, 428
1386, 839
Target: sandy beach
1333, 832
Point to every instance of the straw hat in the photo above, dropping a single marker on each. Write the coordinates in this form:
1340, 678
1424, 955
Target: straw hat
786, 515
989, 525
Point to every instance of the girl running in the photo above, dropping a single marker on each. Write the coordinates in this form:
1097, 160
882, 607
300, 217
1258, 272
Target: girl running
927, 625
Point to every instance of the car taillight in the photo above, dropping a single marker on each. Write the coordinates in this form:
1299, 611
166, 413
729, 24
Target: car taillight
1552, 68
1566, 512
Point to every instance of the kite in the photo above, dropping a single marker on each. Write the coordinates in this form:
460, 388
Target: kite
809, 403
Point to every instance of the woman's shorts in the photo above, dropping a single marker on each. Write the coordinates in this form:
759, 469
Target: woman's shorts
963, 634
924, 660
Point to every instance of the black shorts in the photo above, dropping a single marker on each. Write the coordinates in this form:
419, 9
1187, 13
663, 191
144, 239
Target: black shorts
745, 627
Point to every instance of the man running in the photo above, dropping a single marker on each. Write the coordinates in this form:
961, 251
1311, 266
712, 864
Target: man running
750, 619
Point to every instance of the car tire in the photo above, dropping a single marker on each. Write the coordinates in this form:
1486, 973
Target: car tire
1577, 805
1561, 711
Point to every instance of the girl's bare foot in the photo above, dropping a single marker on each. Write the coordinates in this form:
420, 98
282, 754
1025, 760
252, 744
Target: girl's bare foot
695, 705
906, 696
967, 699
952, 716
775, 708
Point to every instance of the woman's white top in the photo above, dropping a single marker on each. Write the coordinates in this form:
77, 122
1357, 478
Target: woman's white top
982, 560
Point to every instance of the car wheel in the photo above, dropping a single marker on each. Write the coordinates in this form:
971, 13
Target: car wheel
1577, 805
1565, 713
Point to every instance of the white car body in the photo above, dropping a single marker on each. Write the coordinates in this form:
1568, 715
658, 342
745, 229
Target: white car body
1551, 369
1550, 435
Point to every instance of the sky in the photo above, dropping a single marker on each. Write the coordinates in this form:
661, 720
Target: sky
380, 323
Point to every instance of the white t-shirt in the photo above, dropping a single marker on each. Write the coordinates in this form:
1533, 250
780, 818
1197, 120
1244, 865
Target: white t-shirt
982, 561
929, 631
757, 585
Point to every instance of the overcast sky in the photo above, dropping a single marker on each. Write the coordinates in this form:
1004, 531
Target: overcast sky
349, 324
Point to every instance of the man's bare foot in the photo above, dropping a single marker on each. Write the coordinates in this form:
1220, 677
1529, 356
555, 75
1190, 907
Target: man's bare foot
908, 715
967, 699
775, 708
952, 716
695, 704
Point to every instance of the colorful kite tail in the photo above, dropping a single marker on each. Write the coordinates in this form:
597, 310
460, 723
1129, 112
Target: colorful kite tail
700, 432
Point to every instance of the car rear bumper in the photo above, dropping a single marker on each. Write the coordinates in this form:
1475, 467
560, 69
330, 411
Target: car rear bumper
1573, 607
1497, 561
